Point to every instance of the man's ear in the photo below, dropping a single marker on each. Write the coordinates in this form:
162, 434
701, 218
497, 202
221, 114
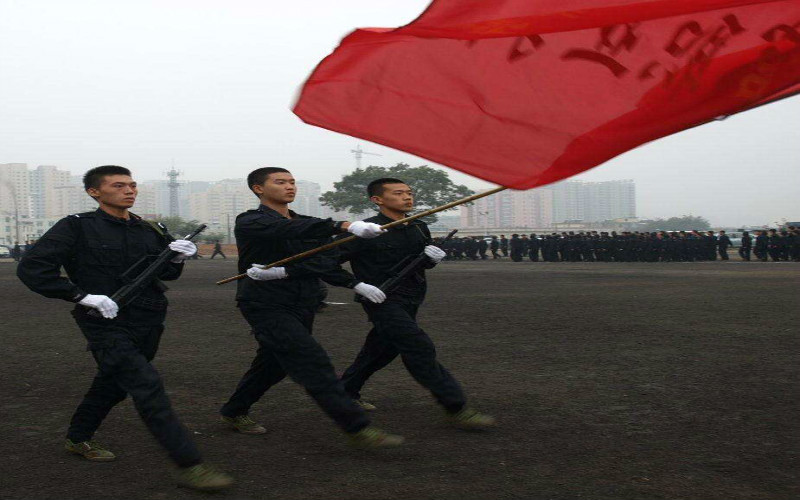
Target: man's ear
94, 193
376, 200
258, 189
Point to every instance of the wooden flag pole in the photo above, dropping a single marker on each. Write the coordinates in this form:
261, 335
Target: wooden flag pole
336, 243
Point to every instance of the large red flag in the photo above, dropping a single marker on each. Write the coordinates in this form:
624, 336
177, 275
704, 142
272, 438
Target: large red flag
527, 92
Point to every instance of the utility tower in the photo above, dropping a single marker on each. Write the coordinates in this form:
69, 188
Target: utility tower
173, 184
358, 152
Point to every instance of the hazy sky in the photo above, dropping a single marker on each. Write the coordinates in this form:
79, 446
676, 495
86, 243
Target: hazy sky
210, 84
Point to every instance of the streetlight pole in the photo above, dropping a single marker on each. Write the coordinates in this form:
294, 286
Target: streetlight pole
485, 222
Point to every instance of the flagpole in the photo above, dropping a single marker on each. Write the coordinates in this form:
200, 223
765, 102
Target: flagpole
336, 243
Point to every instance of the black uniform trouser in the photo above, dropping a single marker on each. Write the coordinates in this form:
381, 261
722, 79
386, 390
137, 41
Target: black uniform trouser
495, 255
286, 347
723, 253
516, 256
505, 251
744, 253
395, 331
533, 255
123, 354
218, 252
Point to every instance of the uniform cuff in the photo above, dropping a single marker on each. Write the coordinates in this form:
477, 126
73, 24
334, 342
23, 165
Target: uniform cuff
337, 227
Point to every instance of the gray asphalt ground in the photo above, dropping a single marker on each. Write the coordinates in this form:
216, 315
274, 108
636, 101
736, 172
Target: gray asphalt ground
609, 381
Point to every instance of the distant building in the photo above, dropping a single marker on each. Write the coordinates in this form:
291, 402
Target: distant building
44, 183
72, 199
593, 201
221, 203
15, 189
573, 201
510, 209
307, 200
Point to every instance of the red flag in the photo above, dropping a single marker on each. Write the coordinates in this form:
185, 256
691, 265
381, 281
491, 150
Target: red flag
523, 93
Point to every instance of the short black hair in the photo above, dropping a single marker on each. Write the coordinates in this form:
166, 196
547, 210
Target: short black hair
375, 188
94, 177
259, 175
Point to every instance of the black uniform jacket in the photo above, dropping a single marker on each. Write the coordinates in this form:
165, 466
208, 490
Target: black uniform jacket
94, 248
264, 236
373, 260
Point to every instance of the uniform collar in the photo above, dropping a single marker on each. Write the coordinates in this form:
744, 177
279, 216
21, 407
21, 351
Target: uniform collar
105, 215
265, 209
383, 219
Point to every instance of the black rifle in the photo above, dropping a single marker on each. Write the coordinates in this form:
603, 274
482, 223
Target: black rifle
406, 267
136, 283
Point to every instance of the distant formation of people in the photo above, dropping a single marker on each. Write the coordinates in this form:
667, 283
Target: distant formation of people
658, 246
592, 246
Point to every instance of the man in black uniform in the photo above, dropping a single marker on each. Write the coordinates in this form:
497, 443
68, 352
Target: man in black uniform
504, 245
217, 250
483, 245
516, 248
471, 248
723, 242
793, 242
16, 252
774, 245
279, 304
494, 246
395, 330
760, 249
744, 248
533, 248
95, 248
711, 246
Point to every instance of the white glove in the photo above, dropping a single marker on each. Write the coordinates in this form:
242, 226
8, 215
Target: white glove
371, 293
258, 273
365, 229
107, 307
435, 253
185, 249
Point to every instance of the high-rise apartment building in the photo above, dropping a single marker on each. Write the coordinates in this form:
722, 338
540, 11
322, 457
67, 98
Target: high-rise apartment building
307, 200
593, 201
222, 202
44, 184
556, 203
532, 208
15, 189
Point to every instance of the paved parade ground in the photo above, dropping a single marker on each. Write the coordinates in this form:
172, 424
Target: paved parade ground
609, 381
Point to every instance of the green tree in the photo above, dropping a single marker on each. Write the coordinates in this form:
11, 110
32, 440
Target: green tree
684, 223
432, 188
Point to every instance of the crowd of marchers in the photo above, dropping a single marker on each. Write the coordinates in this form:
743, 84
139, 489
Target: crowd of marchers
659, 246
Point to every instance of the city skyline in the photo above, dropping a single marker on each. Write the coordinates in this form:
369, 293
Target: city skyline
193, 185
46, 193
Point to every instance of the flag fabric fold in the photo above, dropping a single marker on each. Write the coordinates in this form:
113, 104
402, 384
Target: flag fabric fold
524, 93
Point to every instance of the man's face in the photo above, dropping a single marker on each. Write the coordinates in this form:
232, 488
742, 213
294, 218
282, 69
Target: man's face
397, 197
278, 188
117, 191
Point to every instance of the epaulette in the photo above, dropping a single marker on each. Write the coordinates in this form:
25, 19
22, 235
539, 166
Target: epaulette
83, 214
160, 228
